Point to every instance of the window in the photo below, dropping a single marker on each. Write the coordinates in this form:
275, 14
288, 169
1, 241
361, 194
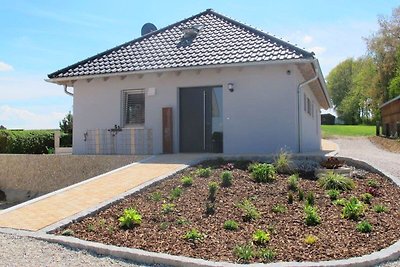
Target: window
133, 110
305, 103
308, 106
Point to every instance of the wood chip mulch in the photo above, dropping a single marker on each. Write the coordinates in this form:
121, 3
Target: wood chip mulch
337, 237
392, 145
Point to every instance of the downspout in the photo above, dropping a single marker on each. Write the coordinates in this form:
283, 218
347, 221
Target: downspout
299, 121
66, 91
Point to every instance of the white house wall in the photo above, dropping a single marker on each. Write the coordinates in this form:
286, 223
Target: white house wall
311, 124
260, 116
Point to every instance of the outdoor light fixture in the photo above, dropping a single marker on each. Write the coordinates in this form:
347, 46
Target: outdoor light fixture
230, 87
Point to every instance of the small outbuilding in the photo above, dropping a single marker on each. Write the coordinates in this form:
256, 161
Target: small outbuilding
390, 113
327, 119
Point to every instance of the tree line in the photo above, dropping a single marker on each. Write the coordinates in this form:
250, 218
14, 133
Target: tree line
358, 86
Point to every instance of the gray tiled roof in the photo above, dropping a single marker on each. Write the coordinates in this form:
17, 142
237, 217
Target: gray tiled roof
221, 40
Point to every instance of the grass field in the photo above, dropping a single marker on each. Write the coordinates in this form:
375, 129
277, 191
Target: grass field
347, 130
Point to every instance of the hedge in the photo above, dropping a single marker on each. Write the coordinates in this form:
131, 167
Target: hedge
28, 142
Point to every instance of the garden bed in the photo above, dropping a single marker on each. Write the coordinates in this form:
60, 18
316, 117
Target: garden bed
392, 145
168, 220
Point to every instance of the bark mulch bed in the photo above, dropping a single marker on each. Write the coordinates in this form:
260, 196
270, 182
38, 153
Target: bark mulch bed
159, 232
392, 145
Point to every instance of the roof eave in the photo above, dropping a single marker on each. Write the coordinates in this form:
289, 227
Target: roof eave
323, 85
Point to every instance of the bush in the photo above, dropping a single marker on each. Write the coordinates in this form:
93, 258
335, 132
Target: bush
231, 225
293, 182
212, 190
353, 209
65, 140
310, 199
311, 216
249, 210
26, 142
279, 208
226, 178
204, 172
373, 183
310, 239
380, 208
193, 235
167, 208
175, 193
130, 218
156, 196
187, 181
336, 181
261, 237
364, 227
340, 202
290, 198
263, 172
266, 254
333, 194
366, 198
301, 194
244, 252
283, 162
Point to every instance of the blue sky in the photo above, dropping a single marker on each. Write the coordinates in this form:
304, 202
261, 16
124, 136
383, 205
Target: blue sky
39, 37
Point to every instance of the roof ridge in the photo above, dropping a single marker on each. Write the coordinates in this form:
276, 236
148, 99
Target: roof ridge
52, 75
260, 32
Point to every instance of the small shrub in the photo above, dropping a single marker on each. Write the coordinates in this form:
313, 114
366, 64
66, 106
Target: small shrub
336, 181
310, 199
187, 181
156, 196
67, 232
373, 183
373, 191
182, 221
261, 237
110, 229
353, 209
164, 226
310, 239
340, 202
210, 208
263, 172
250, 212
364, 227
311, 216
226, 178
293, 182
301, 194
193, 235
175, 193
333, 194
212, 190
91, 227
266, 254
380, 208
366, 198
130, 218
231, 225
244, 252
283, 162
290, 198
279, 208
204, 172
167, 208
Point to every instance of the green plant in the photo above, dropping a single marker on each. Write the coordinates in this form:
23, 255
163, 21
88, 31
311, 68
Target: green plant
290, 198
204, 172
310, 199
380, 208
340, 202
364, 227
293, 182
67, 232
187, 181
244, 252
212, 190
311, 215
310, 239
130, 218
164, 226
301, 194
193, 235
50, 150
336, 181
226, 178
283, 162
90, 227
261, 237
373, 183
353, 209
182, 221
102, 222
156, 196
279, 208
366, 198
110, 229
167, 208
333, 194
231, 225
266, 254
250, 212
263, 172
26, 142
175, 193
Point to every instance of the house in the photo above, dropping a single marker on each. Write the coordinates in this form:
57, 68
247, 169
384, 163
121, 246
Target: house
207, 83
328, 119
390, 113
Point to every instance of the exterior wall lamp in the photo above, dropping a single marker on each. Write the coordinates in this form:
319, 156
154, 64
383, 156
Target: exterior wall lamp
230, 87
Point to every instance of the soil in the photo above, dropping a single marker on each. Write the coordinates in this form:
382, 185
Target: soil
392, 145
158, 232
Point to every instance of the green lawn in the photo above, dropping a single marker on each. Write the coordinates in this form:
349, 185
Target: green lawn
347, 130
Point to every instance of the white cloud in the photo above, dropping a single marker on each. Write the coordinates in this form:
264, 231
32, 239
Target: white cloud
5, 67
12, 118
307, 39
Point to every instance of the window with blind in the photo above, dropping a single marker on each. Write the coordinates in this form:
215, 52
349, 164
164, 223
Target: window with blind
133, 111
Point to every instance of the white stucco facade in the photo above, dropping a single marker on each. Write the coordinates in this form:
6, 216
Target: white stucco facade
259, 116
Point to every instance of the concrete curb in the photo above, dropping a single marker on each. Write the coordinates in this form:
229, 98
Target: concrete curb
388, 254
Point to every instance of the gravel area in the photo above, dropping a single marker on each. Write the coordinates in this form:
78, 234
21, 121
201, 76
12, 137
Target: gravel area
25, 251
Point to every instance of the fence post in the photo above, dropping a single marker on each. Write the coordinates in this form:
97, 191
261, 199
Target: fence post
378, 126
57, 140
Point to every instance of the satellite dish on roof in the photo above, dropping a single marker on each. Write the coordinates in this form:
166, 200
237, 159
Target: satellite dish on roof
148, 28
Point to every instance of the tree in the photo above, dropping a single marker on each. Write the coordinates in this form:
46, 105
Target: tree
394, 85
339, 81
66, 123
